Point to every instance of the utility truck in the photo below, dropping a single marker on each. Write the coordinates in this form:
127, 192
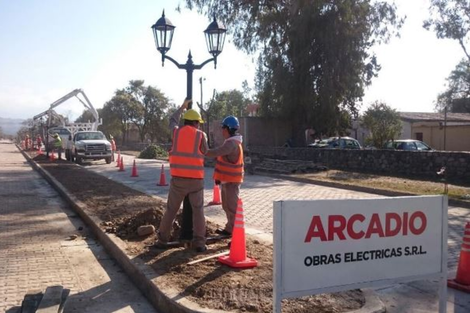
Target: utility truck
55, 123
90, 145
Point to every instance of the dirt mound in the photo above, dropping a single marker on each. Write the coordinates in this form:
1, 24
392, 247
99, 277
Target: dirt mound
122, 210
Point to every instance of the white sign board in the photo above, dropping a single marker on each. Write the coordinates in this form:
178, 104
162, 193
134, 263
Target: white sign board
332, 245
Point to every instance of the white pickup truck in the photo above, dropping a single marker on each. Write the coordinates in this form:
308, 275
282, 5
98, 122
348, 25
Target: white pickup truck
89, 145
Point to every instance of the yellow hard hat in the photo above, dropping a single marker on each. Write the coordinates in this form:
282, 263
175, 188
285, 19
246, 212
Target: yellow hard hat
192, 115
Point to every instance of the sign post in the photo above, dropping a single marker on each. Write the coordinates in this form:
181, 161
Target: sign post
323, 246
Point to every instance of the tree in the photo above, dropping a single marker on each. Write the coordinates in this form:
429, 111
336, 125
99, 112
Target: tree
147, 107
230, 102
87, 116
383, 122
143, 106
315, 57
457, 96
450, 19
119, 109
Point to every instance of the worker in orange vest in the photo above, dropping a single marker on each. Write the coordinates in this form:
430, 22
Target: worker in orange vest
187, 177
27, 143
113, 147
38, 142
228, 170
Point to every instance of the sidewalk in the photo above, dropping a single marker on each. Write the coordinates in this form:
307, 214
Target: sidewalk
258, 193
36, 250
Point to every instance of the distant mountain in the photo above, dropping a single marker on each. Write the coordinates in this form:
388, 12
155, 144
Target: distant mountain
10, 126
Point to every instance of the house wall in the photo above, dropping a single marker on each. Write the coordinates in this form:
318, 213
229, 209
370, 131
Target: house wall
457, 137
406, 130
256, 131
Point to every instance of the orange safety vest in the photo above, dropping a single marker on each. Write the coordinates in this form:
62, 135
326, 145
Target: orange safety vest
186, 158
229, 172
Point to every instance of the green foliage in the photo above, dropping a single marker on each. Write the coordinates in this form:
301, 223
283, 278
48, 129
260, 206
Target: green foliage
457, 96
86, 117
315, 56
231, 102
152, 152
145, 107
383, 122
450, 19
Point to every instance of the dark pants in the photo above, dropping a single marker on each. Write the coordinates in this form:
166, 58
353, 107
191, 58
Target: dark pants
186, 232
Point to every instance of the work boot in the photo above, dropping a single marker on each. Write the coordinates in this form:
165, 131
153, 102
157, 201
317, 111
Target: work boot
160, 245
223, 232
201, 249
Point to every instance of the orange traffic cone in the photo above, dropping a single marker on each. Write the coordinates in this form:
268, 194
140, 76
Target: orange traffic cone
52, 157
118, 159
134, 171
121, 165
462, 280
215, 196
237, 257
162, 178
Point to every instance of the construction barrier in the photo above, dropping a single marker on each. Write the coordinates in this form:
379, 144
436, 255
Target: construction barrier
162, 181
118, 159
134, 171
237, 257
215, 195
462, 280
121, 165
52, 156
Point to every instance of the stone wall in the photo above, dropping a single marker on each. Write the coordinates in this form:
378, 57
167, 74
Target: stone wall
389, 162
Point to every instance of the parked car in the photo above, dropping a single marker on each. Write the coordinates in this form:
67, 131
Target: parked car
337, 143
408, 144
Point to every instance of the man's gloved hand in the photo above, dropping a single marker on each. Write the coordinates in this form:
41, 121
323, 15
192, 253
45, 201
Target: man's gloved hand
217, 182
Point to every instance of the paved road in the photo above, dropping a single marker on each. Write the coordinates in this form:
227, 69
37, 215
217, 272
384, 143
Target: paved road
35, 250
258, 194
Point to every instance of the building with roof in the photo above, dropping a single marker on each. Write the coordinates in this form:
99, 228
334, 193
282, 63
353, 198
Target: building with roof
451, 132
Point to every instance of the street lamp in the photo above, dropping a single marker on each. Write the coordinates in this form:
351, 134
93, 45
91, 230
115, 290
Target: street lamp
163, 31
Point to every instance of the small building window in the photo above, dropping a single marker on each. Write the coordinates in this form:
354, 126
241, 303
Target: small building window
419, 136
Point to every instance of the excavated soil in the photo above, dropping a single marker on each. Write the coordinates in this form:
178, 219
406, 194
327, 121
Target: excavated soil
122, 210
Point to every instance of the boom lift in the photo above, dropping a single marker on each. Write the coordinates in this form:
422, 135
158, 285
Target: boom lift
71, 127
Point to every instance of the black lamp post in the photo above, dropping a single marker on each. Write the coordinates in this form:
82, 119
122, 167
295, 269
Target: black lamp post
163, 31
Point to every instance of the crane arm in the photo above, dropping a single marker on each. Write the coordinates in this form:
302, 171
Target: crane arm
86, 103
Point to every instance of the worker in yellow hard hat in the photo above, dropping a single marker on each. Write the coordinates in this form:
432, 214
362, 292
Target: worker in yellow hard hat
57, 144
187, 178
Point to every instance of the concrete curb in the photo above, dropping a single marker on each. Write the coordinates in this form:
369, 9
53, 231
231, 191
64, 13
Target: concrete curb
142, 275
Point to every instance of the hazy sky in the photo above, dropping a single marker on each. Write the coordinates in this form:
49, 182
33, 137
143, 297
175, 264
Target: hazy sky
51, 47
